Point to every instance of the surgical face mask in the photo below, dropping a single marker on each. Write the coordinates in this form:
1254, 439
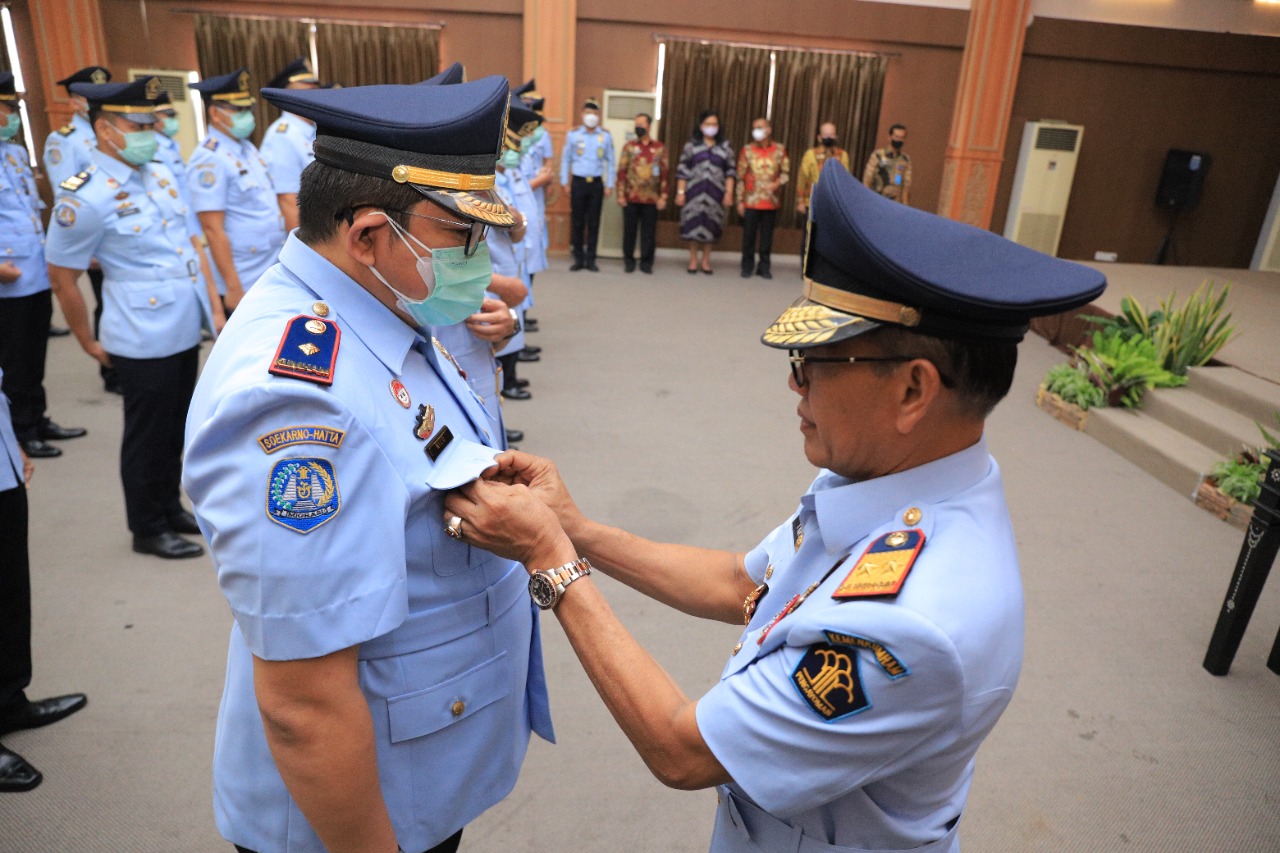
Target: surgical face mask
829, 141
539, 133
169, 127
759, 134
525, 144
12, 125
710, 130
590, 119
897, 143
510, 159
641, 132
242, 124
455, 283
139, 146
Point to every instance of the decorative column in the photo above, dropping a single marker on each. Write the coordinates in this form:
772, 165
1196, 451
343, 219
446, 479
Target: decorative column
69, 36
550, 57
984, 102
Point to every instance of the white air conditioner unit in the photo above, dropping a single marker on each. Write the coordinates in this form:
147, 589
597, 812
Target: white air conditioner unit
1042, 184
1267, 254
190, 115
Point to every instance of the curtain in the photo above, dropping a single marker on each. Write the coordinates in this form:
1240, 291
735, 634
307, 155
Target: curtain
366, 55
732, 80
812, 88
263, 45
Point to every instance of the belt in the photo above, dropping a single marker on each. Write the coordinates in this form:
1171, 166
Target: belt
588, 178
439, 625
190, 270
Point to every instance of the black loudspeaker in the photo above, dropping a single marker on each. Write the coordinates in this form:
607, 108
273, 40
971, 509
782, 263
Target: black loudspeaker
1182, 179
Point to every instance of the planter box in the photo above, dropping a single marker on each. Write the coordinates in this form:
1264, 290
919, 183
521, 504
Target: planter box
1069, 413
1223, 506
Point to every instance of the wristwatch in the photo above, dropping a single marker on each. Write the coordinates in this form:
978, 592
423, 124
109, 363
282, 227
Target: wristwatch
547, 586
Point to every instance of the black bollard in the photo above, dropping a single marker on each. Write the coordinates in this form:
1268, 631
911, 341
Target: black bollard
1257, 553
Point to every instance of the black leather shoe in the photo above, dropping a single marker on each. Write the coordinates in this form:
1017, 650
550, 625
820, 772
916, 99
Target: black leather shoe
532, 350
168, 545
516, 394
49, 431
184, 522
577, 265
628, 266
58, 331
646, 270
37, 449
524, 356
33, 715
521, 383
16, 775
530, 324
746, 273
591, 266
764, 273
514, 435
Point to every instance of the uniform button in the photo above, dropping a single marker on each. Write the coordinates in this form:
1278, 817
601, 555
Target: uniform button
458, 707
137, 228
912, 516
253, 250
737, 648
768, 572
152, 300
179, 250
320, 309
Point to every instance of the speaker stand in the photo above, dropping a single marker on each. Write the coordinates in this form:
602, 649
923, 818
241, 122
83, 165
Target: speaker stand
1168, 248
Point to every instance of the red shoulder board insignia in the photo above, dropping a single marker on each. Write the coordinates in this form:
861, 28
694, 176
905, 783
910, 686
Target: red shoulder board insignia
883, 567
308, 350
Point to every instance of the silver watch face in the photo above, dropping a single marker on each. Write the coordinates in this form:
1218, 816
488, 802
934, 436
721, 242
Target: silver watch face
542, 591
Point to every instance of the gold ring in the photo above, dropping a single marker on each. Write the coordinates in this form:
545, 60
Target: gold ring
454, 527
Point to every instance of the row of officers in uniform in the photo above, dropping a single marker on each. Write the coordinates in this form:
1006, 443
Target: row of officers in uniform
171, 246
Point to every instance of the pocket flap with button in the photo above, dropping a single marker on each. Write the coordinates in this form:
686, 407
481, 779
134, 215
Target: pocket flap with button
432, 709
152, 294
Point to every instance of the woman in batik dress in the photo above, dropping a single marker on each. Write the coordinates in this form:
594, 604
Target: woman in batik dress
704, 189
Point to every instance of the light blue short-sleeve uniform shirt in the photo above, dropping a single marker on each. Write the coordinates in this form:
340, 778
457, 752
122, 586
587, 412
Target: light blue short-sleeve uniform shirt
66, 150
323, 512
10, 451
169, 153
588, 154
21, 231
229, 175
510, 257
287, 148
154, 302
852, 725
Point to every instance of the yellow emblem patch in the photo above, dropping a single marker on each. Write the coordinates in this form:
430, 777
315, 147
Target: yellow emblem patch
883, 567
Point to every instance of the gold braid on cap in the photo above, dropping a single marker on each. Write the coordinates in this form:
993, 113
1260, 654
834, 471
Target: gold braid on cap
863, 306
807, 324
403, 174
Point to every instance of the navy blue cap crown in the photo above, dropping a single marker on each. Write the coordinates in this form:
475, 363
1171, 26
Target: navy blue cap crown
134, 100
873, 261
232, 88
298, 71
92, 74
451, 76
441, 139
8, 92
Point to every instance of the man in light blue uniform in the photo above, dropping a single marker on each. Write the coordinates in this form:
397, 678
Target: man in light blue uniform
883, 620
125, 211
587, 161
515, 189
383, 678
25, 303
232, 191
536, 159
287, 144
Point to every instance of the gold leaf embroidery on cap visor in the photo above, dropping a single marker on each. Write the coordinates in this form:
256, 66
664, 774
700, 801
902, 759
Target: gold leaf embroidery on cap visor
808, 324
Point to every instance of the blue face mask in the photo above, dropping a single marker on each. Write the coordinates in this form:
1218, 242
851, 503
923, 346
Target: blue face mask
510, 159
242, 124
12, 125
455, 283
170, 126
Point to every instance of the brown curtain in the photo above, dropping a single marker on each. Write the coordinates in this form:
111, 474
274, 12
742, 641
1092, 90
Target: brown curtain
263, 45
367, 55
812, 88
734, 81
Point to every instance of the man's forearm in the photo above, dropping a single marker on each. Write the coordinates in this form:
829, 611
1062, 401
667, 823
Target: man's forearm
220, 251
289, 210
63, 282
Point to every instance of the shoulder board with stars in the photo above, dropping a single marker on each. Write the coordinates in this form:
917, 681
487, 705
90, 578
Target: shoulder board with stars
211, 144
883, 567
308, 350
283, 127
75, 182
67, 129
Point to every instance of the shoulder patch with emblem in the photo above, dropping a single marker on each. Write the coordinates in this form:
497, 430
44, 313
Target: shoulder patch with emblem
208, 176
828, 680
64, 215
76, 181
308, 350
302, 493
67, 129
883, 567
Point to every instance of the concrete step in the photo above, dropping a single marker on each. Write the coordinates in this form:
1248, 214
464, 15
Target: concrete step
1171, 457
1254, 398
1207, 421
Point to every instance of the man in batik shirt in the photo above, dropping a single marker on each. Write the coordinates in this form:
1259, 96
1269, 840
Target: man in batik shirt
642, 192
763, 169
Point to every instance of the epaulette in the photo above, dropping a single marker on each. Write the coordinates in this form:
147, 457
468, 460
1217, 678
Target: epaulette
883, 567
308, 350
211, 144
67, 129
76, 181
282, 127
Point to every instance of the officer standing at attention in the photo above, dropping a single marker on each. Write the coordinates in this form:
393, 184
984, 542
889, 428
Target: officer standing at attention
26, 305
126, 211
67, 153
883, 620
232, 191
537, 154
383, 678
888, 169
286, 146
587, 160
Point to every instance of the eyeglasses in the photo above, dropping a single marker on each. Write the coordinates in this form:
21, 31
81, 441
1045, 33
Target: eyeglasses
476, 231
799, 360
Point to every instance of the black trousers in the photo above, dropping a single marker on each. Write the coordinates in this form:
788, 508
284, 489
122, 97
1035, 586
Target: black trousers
24, 342
157, 394
586, 198
644, 218
15, 598
757, 223
449, 845
108, 374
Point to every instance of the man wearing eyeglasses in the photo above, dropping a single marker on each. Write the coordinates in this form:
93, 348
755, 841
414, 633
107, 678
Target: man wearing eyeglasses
232, 190
383, 677
883, 619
